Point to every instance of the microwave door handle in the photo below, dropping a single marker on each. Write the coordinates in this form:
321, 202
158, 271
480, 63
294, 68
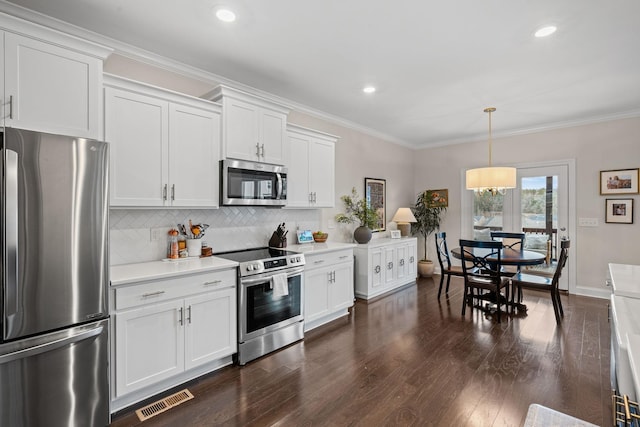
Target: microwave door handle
11, 231
279, 193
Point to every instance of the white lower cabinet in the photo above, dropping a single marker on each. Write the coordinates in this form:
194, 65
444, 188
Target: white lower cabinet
383, 265
328, 281
169, 331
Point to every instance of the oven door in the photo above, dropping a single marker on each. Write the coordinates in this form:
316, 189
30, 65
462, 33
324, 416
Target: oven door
261, 312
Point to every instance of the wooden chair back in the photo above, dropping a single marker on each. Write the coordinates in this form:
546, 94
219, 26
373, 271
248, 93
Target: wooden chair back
562, 260
443, 252
476, 266
509, 239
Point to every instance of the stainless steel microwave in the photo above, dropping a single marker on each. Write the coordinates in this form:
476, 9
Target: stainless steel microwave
252, 184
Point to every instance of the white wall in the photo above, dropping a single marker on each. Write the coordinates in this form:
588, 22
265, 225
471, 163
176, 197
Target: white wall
601, 146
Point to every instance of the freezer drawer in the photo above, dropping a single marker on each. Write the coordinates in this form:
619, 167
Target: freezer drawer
56, 379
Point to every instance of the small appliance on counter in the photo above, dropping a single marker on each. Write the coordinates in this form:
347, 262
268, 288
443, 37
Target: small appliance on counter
279, 237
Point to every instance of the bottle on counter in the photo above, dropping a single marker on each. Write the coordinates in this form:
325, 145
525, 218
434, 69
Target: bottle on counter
174, 251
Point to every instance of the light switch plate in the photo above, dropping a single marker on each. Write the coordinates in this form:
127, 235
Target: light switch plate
588, 222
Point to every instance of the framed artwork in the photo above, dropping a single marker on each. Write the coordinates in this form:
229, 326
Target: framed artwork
621, 181
375, 192
619, 211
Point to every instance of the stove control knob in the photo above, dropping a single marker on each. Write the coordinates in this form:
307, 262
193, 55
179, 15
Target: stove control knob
250, 267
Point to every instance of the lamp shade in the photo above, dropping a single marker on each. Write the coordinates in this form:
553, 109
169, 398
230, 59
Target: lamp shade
404, 215
491, 177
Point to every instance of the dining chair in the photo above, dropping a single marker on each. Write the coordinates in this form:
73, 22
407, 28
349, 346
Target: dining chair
511, 240
444, 259
549, 284
480, 274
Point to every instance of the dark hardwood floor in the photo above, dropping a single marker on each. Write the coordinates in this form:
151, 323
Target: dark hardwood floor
409, 359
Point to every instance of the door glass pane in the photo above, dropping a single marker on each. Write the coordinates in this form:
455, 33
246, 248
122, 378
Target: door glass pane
487, 214
538, 204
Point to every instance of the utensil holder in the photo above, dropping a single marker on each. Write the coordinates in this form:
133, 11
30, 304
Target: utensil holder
194, 247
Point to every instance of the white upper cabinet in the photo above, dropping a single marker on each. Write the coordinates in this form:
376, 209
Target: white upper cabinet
164, 146
253, 128
52, 82
311, 168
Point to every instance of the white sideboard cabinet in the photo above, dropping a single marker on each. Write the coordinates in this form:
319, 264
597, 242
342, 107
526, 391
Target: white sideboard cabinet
164, 146
328, 281
166, 331
311, 165
383, 265
50, 82
253, 128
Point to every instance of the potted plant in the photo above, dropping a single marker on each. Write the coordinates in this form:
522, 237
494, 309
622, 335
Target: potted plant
430, 208
357, 210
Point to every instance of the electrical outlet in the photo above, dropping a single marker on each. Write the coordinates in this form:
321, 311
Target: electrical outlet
158, 233
588, 222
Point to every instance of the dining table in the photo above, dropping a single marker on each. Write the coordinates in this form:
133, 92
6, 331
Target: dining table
508, 256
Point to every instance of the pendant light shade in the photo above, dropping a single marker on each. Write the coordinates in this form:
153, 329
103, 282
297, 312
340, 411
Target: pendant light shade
492, 179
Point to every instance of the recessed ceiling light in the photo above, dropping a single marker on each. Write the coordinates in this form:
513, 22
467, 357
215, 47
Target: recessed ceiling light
545, 31
369, 89
225, 15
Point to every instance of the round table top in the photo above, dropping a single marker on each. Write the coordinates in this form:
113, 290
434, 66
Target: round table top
508, 256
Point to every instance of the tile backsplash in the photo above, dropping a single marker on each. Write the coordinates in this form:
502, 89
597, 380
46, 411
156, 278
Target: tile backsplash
230, 228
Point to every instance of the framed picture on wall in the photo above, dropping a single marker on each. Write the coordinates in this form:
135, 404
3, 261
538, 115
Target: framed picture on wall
619, 211
375, 193
621, 181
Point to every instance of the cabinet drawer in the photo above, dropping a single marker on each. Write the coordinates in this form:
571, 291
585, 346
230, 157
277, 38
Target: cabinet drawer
176, 287
327, 258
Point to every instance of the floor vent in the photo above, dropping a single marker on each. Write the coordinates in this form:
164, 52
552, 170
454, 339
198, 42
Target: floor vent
164, 404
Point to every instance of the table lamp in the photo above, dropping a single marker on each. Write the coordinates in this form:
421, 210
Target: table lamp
403, 218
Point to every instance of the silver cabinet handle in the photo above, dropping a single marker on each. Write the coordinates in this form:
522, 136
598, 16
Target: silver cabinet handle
402, 262
164, 192
213, 282
344, 257
320, 261
173, 192
334, 276
181, 319
310, 197
389, 265
377, 269
258, 149
262, 150
411, 259
189, 314
11, 107
153, 294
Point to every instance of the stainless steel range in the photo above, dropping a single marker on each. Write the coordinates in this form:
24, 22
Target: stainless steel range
270, 300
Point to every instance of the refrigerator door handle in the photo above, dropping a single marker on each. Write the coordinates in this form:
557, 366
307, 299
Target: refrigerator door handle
11, 232
50, 346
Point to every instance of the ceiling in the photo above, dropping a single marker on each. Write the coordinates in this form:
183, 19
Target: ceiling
436, 65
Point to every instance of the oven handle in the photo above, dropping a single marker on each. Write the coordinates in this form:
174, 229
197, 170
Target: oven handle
263, 276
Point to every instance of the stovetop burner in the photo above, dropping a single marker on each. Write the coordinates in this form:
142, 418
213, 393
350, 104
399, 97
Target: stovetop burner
256, 254
262, 260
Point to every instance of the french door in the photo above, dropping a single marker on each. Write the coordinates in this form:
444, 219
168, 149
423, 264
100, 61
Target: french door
542, 206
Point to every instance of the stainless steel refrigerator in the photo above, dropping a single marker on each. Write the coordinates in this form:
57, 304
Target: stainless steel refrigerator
54, 272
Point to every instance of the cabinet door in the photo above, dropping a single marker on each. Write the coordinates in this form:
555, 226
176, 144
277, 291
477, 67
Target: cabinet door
322, 174
210, 323
51, 89
272, 133
149, 345
378, 268
412, 254
137, 129
341, 288
298, 171
194, 138
316, 293
241, 130
402, 261
390, 266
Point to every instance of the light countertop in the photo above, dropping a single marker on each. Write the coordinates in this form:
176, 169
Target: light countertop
129, 273
625, 279
318, 248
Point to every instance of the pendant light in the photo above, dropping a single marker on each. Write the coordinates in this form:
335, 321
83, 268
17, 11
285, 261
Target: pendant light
491, 179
